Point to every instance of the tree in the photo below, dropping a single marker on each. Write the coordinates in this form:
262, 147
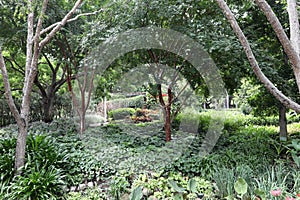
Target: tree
35, 42
85, 84
59, 57
287, 45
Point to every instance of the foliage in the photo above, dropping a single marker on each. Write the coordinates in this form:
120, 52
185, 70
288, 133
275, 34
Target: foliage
119, 185
121, 113
295, 151
280, 176
62, 108
139, 150
89, 194
241, 187
130, 102
52, 165
40, 183
160, 187
144, 115
246, 91
136, 194
7, 152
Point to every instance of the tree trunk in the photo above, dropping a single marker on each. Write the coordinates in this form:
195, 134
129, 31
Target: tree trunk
168, 116
282, 123
21, 146
104, 108
34, 45
168, 123
294, 24
82, 123
48, 108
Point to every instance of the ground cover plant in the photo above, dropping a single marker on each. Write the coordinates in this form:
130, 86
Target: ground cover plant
123, 160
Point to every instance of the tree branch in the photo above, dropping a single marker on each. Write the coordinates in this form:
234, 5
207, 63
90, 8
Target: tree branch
60, 24
70, 20
8, 94
283, 38
253, 62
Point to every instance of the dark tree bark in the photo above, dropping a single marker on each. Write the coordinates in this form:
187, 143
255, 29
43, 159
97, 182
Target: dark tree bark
168, 116
282, 123
48, 113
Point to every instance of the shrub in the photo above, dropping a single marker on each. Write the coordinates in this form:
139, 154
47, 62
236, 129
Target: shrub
118, 185
131, 102
173, 186
89, 194
7, 154
142, 115
121, 113
42, 183
52, 164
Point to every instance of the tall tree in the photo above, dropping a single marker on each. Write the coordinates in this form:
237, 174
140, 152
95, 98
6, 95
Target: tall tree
284, 40
35, 42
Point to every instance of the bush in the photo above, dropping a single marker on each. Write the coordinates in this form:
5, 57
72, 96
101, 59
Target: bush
52, 165
42, 183
173, 186
131, 102
7, 154
121, 113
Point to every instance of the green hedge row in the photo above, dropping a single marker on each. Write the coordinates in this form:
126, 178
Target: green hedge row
232, 122
121, 113
131, 102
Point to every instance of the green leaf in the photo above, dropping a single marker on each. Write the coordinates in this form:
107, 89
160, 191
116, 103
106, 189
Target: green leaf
192, 185
178, 197
136, 194
176, 187
296, 158
260, 194
241, 186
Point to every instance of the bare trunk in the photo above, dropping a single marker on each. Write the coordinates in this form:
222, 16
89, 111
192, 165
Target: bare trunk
105, 109
20, 147
168, 124
282, 123
294, 24
82, 123
168, 116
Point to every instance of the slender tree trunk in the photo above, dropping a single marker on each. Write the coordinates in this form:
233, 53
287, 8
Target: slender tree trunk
282, 123
105, 108
21, 146
294, 24
82, 123
168, 124
168, 116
